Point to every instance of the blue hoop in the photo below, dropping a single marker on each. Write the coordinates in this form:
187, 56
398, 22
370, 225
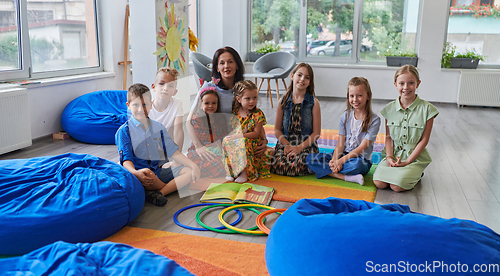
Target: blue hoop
240, 216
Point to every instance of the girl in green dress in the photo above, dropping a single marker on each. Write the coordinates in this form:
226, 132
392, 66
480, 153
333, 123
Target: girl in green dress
408, 126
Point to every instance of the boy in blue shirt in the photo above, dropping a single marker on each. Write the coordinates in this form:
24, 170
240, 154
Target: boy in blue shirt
144, 146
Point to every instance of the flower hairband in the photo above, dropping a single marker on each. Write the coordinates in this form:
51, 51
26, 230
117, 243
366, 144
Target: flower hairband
208, 87
216, 81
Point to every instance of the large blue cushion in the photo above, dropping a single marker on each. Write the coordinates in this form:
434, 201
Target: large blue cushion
351, 237
102, 258
69, 197
95, 117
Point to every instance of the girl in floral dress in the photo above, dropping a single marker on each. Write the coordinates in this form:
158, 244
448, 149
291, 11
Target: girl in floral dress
298, 124
240, 146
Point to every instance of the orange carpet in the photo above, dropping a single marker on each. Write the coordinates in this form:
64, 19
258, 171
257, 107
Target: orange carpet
200, 255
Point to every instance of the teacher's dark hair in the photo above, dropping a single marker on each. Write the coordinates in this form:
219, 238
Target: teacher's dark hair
215, 61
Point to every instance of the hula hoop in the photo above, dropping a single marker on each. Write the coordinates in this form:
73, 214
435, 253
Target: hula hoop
262, 216
218, 230
246, 206
240, 216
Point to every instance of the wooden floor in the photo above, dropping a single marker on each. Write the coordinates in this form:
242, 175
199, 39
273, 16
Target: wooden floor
463, 180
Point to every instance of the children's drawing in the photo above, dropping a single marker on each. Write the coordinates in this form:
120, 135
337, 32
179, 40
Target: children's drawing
172, 39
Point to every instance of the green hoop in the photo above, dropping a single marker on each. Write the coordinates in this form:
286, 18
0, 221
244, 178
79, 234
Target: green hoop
219, 230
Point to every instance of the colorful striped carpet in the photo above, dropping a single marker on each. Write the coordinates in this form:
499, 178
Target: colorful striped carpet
291, 189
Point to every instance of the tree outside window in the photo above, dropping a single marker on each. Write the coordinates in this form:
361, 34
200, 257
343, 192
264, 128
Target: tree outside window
388, 24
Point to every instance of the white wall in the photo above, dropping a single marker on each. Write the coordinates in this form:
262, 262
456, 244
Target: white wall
46, 101
438, 85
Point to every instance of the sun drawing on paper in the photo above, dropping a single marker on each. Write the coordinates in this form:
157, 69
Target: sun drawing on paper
171, 40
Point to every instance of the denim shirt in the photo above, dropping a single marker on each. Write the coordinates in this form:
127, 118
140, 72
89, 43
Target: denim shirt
146, 149
307, 117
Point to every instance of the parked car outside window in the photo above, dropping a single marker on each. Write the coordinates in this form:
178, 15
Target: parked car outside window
316, 43
288, 46
329, 48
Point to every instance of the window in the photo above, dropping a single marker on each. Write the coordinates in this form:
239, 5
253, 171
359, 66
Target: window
475, 25
277, 22
330, 22
388, 26
62, 37
336, 30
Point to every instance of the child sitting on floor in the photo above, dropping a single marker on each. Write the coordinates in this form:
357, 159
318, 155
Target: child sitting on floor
144, 146
357, 131
210, 127
408, 127
166, 108
247, 123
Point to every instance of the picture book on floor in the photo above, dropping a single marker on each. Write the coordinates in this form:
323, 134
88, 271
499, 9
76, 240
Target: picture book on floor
238, 193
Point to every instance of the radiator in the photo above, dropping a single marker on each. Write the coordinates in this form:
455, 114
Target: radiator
479, 88
15, 129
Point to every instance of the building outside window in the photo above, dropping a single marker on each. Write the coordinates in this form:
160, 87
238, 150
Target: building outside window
335, 30
475, 25
62, 35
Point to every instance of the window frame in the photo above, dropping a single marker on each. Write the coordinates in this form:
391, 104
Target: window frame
356, 40
24, 62
26, 71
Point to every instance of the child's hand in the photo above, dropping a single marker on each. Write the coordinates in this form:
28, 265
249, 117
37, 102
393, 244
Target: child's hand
391, 161
261, 148
204, 154
195, 174
145, 176
294, 151
398, 163
336, 165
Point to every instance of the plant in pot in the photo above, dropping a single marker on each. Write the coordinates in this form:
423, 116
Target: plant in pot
453, 59
267, 47
399, 57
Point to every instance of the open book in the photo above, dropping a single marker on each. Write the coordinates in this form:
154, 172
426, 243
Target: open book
238, 193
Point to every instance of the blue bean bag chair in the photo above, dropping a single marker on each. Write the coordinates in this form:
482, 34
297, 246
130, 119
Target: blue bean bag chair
102, 258
95, 117
69, 197
352, 237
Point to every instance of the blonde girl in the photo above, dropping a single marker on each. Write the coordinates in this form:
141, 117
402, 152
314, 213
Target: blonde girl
408, 126
298, 124
358, 130
240, 147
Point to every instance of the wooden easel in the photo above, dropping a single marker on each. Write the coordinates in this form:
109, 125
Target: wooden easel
125, 61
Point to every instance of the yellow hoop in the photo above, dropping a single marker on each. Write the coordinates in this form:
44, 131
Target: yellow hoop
246, 206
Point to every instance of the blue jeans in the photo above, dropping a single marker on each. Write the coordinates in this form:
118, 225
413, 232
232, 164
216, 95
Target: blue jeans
319, 164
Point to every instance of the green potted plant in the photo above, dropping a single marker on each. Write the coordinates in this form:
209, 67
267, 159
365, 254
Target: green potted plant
399, 57
267, 47
453, 59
